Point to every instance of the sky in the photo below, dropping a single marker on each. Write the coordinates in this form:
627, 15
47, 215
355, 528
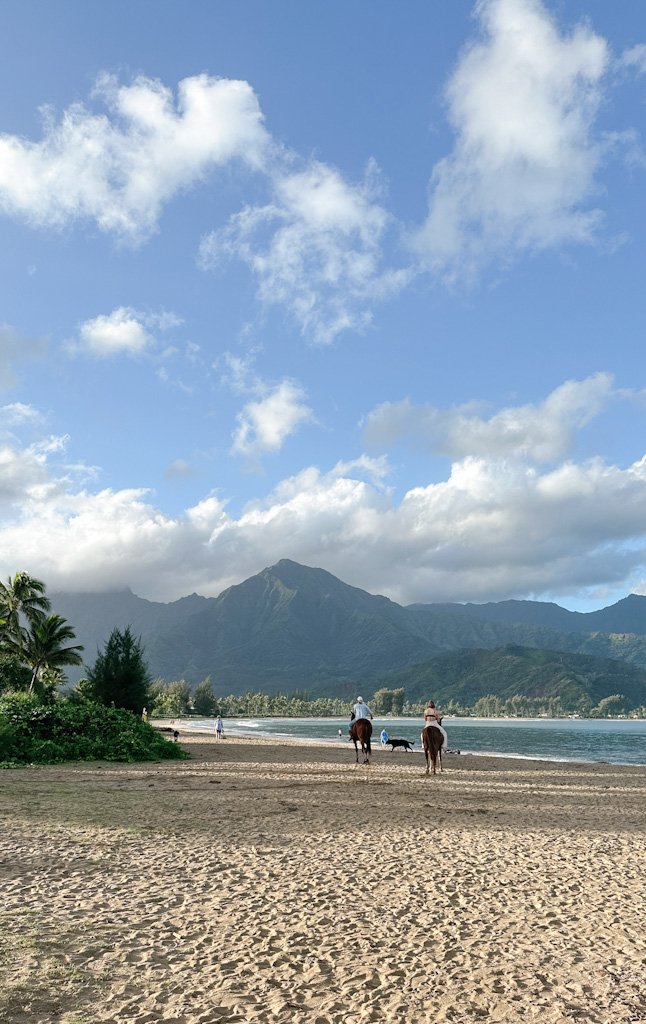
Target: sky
360, 285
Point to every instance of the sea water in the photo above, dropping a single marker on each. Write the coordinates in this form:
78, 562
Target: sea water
616, 741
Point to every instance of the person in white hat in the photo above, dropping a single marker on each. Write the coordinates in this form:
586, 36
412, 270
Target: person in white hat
360, 710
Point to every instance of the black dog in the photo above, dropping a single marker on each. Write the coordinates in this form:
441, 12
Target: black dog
406, 744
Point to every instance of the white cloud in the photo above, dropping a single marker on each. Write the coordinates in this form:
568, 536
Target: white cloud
19, 413
316, 249
541, 432
14, 348
494, 528
265, 424
522, 101
124, 331
635, 57
119, 168
28, 474
120, 332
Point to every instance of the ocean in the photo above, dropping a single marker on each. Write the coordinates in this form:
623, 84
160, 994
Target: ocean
615, 741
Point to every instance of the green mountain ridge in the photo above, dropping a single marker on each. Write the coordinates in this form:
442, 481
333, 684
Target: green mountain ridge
295, 627
577, 680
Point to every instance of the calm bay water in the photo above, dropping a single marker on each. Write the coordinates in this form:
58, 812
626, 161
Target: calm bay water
614, 741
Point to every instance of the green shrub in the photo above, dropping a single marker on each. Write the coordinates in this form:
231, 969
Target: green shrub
35, 733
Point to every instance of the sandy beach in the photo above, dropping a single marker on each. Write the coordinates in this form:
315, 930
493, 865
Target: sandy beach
266, 881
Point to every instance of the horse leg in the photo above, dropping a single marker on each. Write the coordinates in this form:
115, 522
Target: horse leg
356, 750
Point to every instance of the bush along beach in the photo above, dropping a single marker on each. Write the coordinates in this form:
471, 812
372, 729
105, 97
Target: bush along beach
33, 732
100, 720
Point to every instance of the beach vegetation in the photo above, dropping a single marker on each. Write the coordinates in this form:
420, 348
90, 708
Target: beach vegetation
43, 644
34, 732
21, 597
34, 643
388, 702
120, 674
615, 704
14, 674
171, 700
204, 699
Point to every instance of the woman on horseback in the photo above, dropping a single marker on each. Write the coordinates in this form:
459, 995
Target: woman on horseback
433, 717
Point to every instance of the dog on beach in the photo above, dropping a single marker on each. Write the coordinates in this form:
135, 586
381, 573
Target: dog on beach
405, 744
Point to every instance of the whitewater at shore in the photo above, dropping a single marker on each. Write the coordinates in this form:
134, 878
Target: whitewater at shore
276, 882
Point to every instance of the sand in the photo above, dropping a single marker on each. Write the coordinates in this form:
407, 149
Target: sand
263, 881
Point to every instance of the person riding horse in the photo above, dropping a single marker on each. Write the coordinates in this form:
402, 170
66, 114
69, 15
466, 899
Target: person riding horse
361, 729
433, 717
360, 710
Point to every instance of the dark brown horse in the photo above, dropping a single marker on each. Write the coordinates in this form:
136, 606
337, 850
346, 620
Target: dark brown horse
360, 732
432, 741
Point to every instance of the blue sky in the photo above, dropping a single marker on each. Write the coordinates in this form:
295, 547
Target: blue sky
359, 285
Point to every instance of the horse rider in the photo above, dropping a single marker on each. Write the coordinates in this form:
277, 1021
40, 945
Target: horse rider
433, 717
360, 710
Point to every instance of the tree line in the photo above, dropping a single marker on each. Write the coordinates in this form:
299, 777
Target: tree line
178, 699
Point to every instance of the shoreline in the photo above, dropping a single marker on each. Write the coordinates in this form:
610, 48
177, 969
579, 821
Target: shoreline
342, 743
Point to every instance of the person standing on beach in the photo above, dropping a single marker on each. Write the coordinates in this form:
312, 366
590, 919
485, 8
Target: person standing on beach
219, 728
433, 717
383, 737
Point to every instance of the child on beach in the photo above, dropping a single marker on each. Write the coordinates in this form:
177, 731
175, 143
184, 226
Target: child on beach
219, 728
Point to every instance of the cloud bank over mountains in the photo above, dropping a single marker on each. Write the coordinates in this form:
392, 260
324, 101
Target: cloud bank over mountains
498, 526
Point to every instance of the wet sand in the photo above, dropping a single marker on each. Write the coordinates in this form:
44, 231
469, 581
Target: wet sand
275, 882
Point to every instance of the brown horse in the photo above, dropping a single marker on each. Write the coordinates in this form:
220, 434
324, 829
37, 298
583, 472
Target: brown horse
360, 732
432, 741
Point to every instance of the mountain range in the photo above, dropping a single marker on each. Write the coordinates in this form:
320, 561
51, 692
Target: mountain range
294, 627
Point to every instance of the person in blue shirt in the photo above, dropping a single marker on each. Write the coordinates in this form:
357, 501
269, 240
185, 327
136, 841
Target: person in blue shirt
360, 710
383, 737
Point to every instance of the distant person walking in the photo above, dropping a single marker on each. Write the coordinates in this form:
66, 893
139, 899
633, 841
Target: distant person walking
219, 728
383, 737
144, 715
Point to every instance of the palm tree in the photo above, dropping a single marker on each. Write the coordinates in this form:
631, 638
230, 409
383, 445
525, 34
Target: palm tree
41, 644
23, 593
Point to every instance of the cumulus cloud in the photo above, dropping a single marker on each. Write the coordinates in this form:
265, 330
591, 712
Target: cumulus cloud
29, 474
541, 432
315, 249
265, 424
15, 348
522, 102
119, 167
494, 528
119, 333
124, 331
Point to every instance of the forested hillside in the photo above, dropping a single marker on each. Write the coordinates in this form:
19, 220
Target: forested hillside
293, 627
